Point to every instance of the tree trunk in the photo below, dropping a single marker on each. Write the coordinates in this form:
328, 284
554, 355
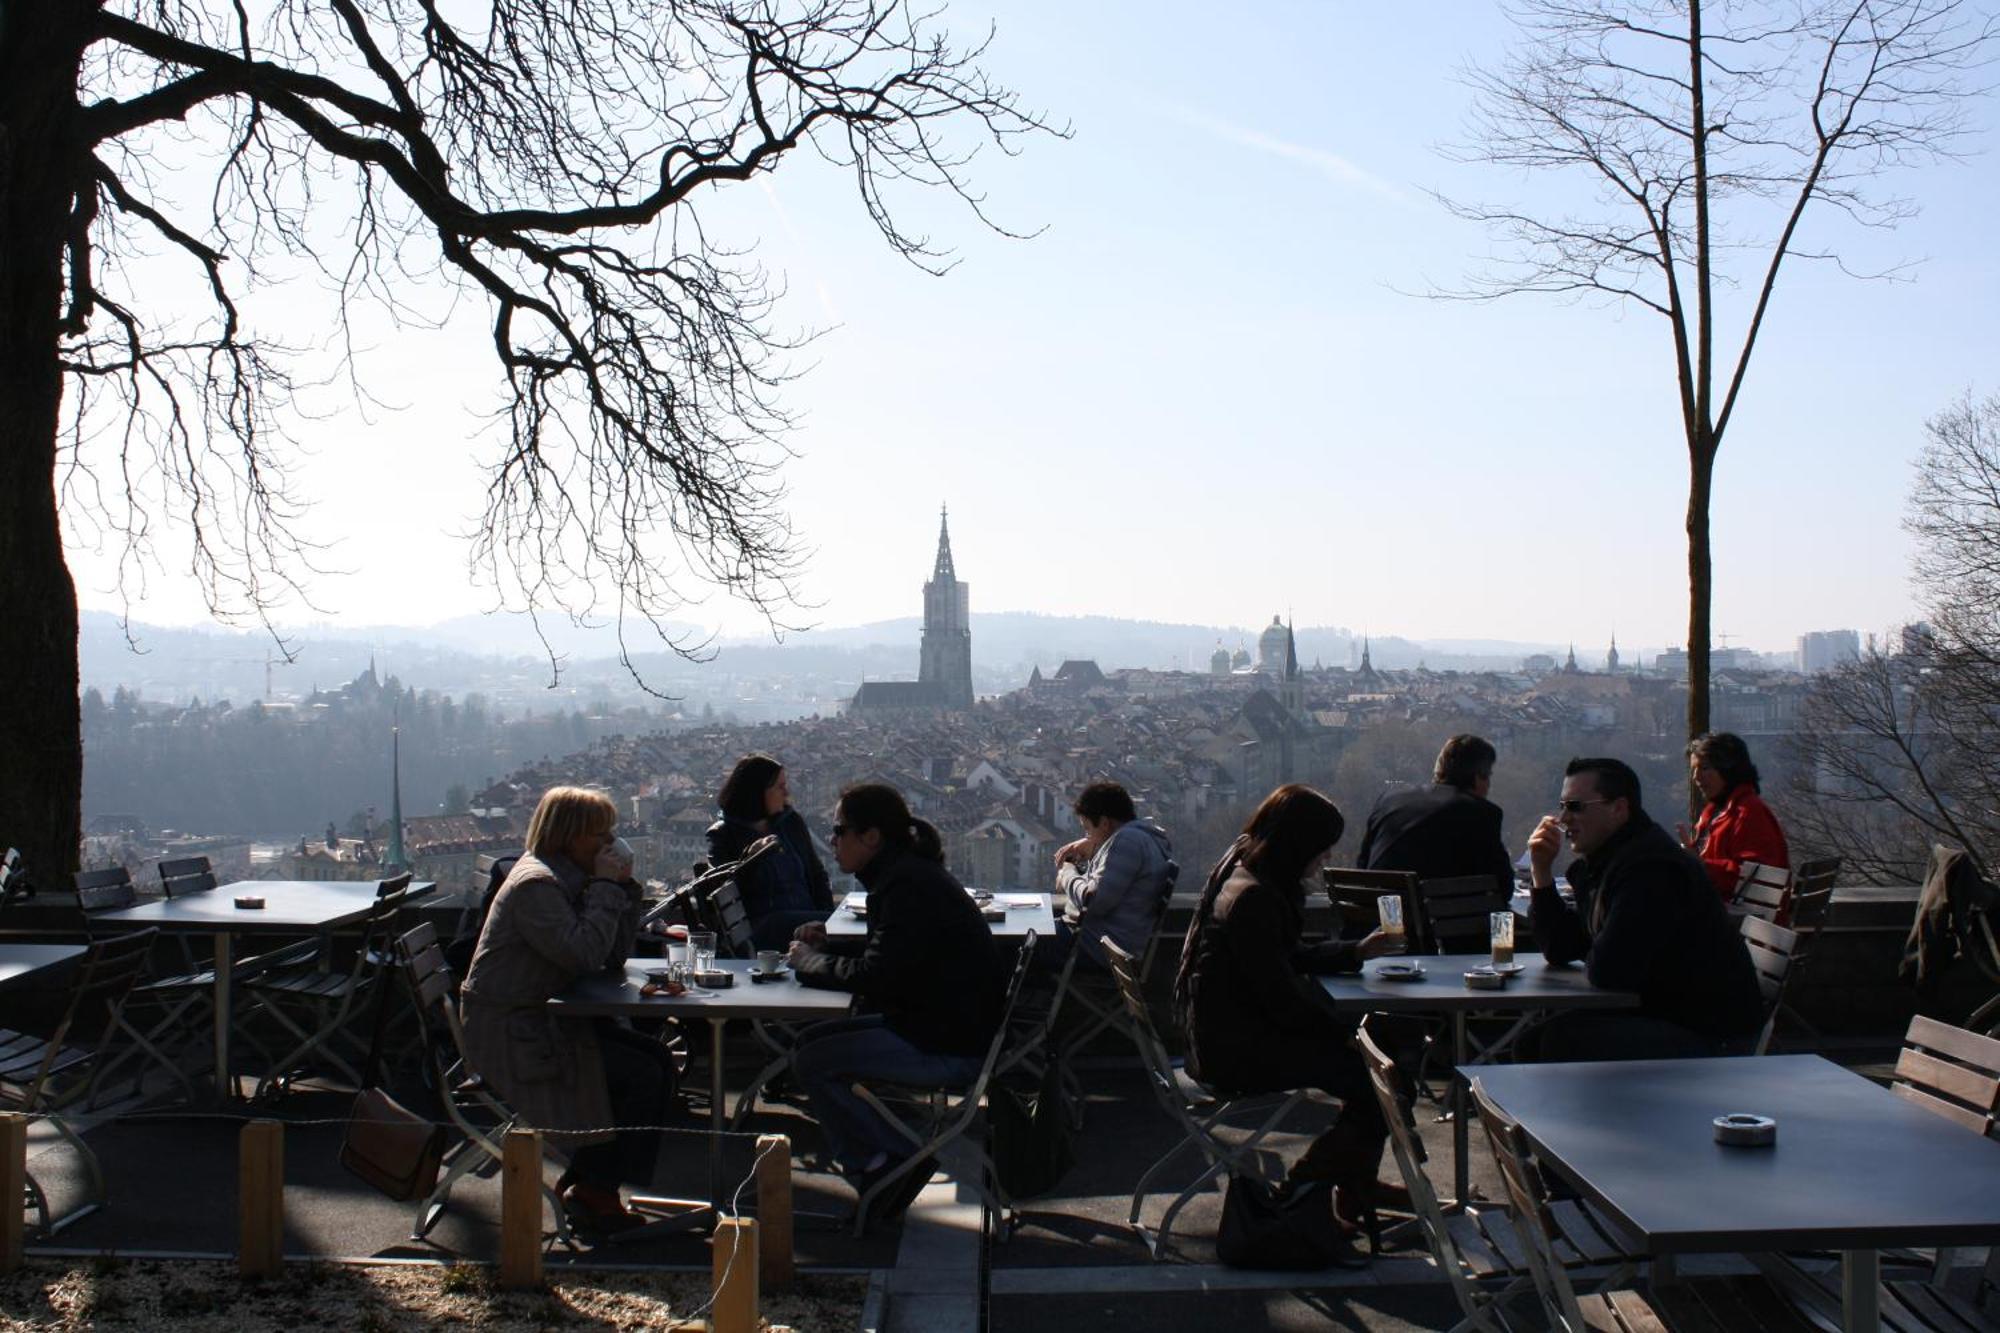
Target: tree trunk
41, 770
1701, 476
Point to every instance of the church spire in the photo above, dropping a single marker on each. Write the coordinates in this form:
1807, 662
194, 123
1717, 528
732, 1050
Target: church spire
944, 570
1291, 653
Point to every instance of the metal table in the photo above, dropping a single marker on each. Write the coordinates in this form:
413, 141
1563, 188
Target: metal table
1025, 912
784, 1001
1855, 1168
18, 962
291, 907
1540, 987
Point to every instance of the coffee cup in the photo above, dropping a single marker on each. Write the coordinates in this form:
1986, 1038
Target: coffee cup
769, 960
1390, 908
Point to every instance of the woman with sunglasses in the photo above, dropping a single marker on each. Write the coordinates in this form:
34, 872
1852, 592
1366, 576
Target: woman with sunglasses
788, 888
928, 978
1254, 1018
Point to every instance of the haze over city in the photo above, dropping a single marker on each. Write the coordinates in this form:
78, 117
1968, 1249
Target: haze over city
1209, 386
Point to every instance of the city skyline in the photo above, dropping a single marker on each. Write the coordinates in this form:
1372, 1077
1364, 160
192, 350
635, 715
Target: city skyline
1205, 386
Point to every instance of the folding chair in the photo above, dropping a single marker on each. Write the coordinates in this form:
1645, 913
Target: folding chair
1199, 1111
327, 997
1353, 893
944, 1114
39, 1075
1771, 954
163, 1010
1724, 1305
480, 1118
191, 874
1763, 891
1452, 914
14, 885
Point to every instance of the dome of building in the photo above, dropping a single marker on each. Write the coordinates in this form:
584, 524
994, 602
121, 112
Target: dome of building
1218, 664
1239, 659
1271, 647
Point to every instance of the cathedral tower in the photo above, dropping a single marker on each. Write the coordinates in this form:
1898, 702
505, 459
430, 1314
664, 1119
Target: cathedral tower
946, 655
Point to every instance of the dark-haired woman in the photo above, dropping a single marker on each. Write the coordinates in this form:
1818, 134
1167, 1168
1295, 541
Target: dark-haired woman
1255, 1021
788, 888
928, 977
1735, 825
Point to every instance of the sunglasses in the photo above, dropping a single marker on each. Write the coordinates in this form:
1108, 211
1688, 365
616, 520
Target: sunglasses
1577, 807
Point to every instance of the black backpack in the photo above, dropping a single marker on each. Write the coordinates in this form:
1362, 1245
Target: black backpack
458, 954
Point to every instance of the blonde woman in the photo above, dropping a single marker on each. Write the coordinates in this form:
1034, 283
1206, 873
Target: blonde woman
570, 907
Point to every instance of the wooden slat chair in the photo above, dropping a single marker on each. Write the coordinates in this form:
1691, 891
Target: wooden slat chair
185, 875
1479, 1248
41, 1075
475, 1111
1771, 954
1763, 891
326, 999
930, 1118
1452, 914
1353, 893
1705, 1305
1811, 904
1201, 1112
167, 1012
14, 885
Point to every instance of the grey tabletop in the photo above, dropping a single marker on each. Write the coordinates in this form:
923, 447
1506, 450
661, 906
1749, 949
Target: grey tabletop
1854, 1166
783, 999
1025, 912
1538, 985
18, 962
289, 905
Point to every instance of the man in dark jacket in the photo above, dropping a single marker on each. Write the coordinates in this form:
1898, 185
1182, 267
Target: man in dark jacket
1446, 829
1647, 920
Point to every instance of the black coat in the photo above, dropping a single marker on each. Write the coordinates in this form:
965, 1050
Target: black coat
791, 880
1647, 919
1438, 832
928, 964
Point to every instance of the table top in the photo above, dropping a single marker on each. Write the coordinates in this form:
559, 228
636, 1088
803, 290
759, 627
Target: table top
601, 996
1025, 912
289, 905
1854, 1165
1539, 985
20, 961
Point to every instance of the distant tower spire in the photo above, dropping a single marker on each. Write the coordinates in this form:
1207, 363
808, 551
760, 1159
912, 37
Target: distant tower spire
1570, 665
1366, 665
944, 569
397, 861
1611, 658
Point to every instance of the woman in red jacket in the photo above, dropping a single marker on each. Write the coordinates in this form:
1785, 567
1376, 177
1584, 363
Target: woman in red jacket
1735, 824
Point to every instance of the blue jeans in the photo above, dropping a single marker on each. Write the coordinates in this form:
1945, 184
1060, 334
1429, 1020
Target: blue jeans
832, 1057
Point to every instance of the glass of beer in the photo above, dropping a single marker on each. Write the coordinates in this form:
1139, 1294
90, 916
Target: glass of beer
1503, 938
1390, 907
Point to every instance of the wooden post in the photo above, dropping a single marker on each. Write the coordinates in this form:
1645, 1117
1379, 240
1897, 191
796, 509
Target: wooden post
521, 1209
774, 1210
735, 1268
260, 1210
13, 1184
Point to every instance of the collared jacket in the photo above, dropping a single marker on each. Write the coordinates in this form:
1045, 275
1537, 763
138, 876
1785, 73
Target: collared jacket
1438, 832
1647, 920
549, 925
791, 880
1119, 893
1735, 829
928, 963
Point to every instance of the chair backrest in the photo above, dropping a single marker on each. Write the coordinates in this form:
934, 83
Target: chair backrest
1022, 963
1951, 1071
1533, 1222
110, 968
725, 915
13, 884
431, 983
185, 875
1409, 1152
105, 890
1353, 893
1763, 890
1452, 914
1153, 1054
1812, 899
1771, 949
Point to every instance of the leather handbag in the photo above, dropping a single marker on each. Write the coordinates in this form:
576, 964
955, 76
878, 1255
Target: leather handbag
391, 1147
1295, 1232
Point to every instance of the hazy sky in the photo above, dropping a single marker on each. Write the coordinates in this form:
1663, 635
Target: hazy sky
1203, 394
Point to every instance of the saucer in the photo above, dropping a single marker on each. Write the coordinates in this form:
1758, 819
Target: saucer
1400, 972
1507, 969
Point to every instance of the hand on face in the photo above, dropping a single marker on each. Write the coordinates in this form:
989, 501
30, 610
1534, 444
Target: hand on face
614, 861
1079, 850
1543, 845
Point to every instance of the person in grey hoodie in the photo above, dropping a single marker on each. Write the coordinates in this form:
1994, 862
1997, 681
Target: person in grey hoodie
1115, 878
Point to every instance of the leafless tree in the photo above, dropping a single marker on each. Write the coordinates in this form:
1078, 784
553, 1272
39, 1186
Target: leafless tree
1703, 135
544, 159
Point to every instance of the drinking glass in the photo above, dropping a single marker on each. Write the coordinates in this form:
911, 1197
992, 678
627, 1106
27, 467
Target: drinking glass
1503, 938
702, 943
1390, 907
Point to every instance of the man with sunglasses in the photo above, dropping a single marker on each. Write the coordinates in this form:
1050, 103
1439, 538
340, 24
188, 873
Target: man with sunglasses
1645, 920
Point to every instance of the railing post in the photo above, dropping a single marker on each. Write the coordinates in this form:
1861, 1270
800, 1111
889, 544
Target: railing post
260, 1212
13, 1184
774, 1210
735, 1269
521, 1209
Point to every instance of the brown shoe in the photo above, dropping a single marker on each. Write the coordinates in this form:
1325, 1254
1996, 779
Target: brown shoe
598, 1213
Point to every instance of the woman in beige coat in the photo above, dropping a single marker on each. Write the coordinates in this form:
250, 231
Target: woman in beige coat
570, 907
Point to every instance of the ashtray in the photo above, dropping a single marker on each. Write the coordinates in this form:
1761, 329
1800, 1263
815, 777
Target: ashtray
1400, 972
716, 980
993, 913
250, 902
1486, 978
778, 975
1742, 1130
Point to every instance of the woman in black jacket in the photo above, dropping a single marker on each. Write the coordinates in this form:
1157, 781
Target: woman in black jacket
788, 888
1254, 1018
928, 977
